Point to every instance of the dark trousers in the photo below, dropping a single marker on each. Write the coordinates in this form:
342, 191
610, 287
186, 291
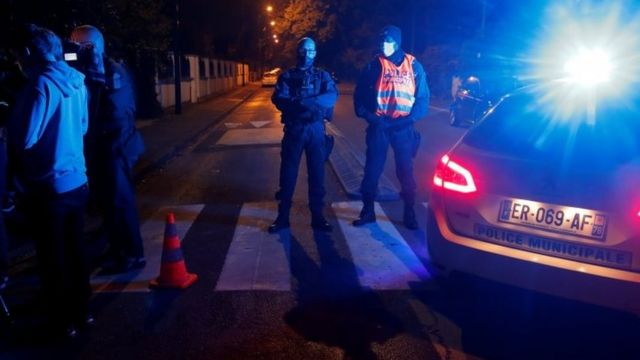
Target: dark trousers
4, 248
378, 140
4, 241
309, 138
111, 180
58, 221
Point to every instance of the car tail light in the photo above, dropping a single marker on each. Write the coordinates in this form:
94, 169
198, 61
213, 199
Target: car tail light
453, 176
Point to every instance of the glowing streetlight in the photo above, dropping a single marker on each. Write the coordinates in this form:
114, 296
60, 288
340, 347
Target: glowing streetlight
277, 41
269, 8
272, 23
275, 36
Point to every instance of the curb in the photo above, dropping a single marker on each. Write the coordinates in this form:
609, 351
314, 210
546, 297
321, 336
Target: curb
348, 165
158, 164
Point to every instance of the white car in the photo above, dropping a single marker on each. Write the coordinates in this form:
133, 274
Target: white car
542, 202
270, 78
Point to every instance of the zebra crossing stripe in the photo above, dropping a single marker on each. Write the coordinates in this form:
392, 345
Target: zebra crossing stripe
383, 259
256, 260
153, 237
259, 124
262, 136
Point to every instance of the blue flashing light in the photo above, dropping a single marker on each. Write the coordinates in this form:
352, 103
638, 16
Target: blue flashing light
584, 60
589, 67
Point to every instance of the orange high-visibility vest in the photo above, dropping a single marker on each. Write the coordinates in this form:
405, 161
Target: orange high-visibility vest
395, 88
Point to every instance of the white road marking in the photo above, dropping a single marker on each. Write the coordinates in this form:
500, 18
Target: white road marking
439, 109
383, 259
266, 136
232, 125
153, 238
259, 124
256, 260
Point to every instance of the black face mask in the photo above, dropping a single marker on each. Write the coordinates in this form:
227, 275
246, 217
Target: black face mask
304, 61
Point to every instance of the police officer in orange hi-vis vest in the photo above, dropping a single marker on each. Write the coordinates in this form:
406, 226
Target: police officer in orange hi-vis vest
391, 94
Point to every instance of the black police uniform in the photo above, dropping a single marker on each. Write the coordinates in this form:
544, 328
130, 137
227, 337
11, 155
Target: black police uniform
113, 144
304, 96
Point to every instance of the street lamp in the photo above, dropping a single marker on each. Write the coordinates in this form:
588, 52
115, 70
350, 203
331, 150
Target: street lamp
275, 36
177, 67
262, 41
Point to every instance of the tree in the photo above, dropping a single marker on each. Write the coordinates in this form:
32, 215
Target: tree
135, 31
301, 18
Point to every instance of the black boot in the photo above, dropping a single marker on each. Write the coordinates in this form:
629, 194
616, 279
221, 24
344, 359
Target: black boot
282, 221
367, 215
409, 218
318, 222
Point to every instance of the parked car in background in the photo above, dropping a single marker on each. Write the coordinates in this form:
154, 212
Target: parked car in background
270, 77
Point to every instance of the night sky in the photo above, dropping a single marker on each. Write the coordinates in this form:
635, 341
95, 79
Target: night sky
228, 20
219, 26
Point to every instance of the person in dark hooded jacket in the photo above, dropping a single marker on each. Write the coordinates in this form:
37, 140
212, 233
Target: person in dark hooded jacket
45, 137
113, 147
391, 95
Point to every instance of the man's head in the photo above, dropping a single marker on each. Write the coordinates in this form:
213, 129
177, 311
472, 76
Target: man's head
390, 40
90, 38
306, 52
89, 35
38, 46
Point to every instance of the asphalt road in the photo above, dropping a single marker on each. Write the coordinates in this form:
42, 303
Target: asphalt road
351, 294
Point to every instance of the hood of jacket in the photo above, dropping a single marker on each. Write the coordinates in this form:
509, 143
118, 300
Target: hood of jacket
64, 77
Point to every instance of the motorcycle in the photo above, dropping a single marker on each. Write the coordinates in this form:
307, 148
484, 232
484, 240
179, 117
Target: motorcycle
469, 104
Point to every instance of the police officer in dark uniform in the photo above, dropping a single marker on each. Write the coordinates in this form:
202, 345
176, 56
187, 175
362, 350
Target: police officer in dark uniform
391, 94
304, 95
113, 144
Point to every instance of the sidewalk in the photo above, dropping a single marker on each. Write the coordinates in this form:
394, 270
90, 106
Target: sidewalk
170, 134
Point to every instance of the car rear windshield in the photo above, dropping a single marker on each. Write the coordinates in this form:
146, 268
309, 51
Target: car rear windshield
520, 127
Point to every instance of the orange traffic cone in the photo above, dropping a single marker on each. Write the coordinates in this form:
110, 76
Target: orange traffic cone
173, 272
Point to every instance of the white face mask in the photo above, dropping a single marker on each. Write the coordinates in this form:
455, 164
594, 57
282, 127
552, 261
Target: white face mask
388, 48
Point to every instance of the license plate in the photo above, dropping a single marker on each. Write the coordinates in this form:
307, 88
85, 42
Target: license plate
554, 218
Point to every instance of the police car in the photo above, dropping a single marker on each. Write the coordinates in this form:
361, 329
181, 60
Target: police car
544, 191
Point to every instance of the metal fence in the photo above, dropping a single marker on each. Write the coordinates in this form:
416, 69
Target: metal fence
201, 78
